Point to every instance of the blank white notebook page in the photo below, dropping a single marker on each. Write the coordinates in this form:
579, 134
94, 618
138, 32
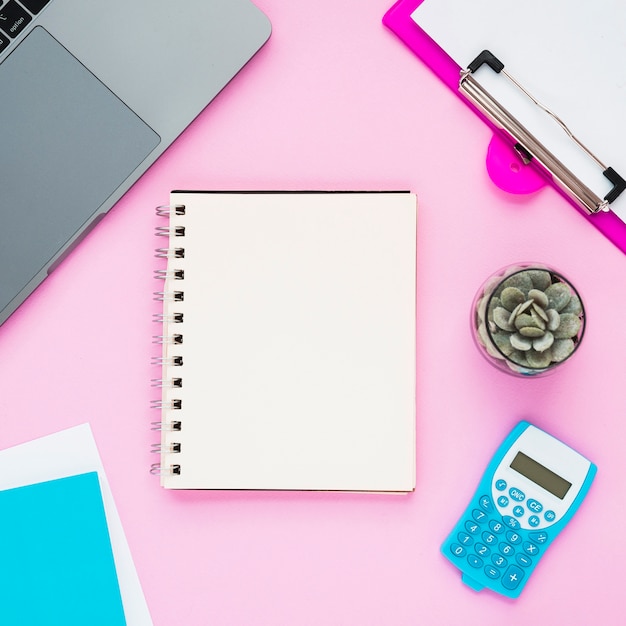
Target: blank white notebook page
568, 55
298, 342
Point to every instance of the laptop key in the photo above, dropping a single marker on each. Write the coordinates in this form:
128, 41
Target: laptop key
34, 6
4, 41
13, 18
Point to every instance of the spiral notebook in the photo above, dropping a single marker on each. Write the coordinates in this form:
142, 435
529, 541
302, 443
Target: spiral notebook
288, 332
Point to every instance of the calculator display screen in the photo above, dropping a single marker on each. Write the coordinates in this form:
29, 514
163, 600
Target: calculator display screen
541, 475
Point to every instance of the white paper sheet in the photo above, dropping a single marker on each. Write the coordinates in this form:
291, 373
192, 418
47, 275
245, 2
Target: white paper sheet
66, 453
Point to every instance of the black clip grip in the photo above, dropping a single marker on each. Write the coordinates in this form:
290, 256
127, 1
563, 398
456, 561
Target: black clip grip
619, 184
486, 57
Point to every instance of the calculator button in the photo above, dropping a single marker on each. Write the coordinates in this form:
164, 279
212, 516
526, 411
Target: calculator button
481, 549
465, 539
506, 549
518, 511
503, 501
472, 527
517, 494
500, 485
496, 526
549, 516
489, 538
534, 521
479, 516
534, 506
539, 537
511, 522
530, 548
492, 572
499, 561
513, 537
457, 550
486, 504
512, 577
523, 560
474, 561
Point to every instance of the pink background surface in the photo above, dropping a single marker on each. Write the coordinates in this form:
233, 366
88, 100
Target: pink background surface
335, 101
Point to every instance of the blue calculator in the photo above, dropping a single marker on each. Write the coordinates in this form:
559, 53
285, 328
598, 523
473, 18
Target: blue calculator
530, 490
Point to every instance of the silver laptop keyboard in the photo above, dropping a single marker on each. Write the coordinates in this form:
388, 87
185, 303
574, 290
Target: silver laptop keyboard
15, 17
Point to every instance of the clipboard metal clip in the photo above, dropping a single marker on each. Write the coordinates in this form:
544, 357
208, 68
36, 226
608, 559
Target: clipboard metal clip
528, 146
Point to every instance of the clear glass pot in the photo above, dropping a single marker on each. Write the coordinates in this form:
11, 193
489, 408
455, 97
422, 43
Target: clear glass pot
527, 319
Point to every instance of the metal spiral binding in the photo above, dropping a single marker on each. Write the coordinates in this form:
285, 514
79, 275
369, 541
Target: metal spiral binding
167, 426
173, 274
166, 404
167, 384
169, 405
170, 253
161, 318
165, 210
172, 448
171, 361
175, 339
164, 470
166, 231
170, 296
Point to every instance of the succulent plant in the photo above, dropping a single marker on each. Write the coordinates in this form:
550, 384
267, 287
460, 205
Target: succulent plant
532, 319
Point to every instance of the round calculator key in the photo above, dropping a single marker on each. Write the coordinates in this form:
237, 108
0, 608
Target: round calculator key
519, 511
511, 522
465, 539
503, 501
500, 485
474, 561
457, 550
479, 516
472, 527
485, 503
530, 548
534, 521
482, 550
512, 578
506, 549
499, 561
523, 560
549, 516
517, 494
489, 538
538, 536
534, 506
513, 537
496, 526
492, 572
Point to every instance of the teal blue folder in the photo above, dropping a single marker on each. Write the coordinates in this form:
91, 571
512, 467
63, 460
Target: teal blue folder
57, 563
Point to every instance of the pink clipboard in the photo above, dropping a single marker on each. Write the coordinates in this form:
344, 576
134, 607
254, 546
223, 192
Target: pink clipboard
505, 166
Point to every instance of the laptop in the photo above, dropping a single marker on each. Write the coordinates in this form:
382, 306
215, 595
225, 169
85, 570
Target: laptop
92, 94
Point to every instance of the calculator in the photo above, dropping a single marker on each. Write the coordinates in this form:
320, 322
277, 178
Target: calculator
528, 493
